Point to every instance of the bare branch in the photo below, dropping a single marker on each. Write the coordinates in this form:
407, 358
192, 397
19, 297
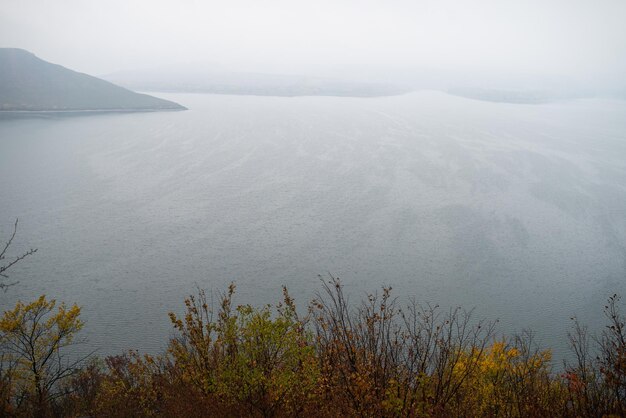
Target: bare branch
3, 256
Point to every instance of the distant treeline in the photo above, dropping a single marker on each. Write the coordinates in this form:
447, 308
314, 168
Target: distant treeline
373, 359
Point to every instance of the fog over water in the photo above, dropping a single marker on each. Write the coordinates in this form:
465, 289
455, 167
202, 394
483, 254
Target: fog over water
580, 43
518, 210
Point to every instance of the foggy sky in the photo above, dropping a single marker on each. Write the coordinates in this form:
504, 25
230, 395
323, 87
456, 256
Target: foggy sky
583, 39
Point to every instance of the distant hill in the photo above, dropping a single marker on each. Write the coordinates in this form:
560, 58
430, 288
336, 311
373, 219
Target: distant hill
193, 80
518, 96
30, 83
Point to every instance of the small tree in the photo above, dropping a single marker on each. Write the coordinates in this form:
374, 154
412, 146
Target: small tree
34, 336
612, 358
7, 263
596, 380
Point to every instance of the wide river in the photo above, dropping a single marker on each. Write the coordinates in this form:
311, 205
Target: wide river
516, 210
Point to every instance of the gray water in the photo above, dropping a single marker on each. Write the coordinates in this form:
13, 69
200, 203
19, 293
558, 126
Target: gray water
516, 210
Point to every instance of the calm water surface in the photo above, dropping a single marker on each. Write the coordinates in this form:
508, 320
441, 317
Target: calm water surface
517, 210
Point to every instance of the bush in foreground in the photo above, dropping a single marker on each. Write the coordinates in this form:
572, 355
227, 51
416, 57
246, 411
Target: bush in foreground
376, 359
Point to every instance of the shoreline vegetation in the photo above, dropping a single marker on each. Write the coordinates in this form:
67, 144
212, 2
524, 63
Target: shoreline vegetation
376, 358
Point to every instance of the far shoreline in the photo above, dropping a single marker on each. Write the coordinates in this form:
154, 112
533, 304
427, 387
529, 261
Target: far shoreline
17, 114
96, 110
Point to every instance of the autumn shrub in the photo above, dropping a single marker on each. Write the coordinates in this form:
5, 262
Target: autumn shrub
596, 380
260, 360
133, 382
513, 379
378, 358
9, 402
359, 351
34, 338
82, 389
134, 385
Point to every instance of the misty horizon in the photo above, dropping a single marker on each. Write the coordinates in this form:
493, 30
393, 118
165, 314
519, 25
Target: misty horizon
579, 44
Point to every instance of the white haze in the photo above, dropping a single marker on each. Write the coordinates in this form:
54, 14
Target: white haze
582, 40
